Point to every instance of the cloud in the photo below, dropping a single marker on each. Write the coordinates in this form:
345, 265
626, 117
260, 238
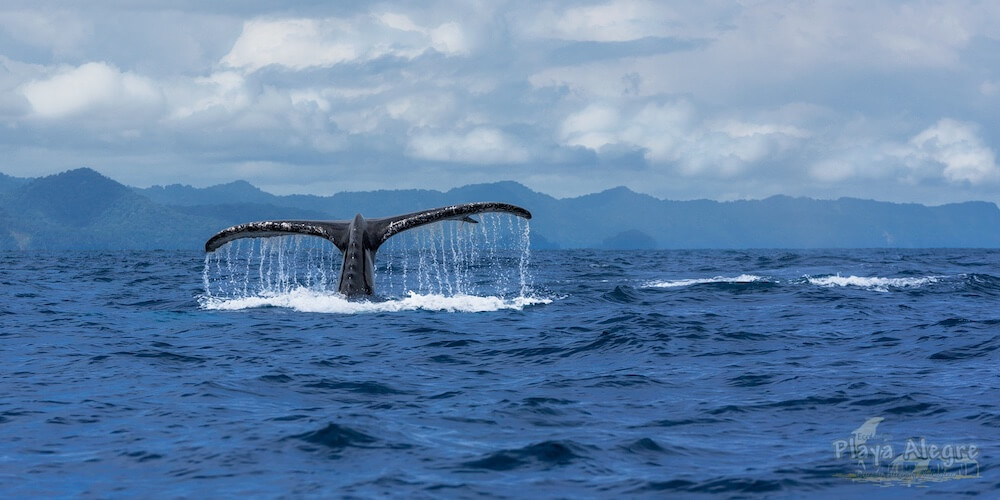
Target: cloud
618, 20
91, 87
672, 134
449, 39
482, 145
806, 50
293, 43
220, 94
302, 43
715, 99
593, 127
608, 22
956, 151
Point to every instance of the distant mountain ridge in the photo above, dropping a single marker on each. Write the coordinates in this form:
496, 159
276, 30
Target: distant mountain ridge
8, 183
82, 209
177, 194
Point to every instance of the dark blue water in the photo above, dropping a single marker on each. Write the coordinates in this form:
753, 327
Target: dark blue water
658, 373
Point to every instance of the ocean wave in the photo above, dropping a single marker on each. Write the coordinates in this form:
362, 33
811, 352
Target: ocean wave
983, 283
306, 300
543, 453
741, 279
337, 437
874, 283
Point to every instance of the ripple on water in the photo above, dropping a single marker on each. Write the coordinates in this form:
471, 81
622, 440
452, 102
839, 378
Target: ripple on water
336, 437
543, 454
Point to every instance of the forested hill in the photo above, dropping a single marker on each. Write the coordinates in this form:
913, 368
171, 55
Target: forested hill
81, 209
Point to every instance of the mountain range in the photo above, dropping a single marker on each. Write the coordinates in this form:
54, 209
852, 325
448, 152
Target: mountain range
82, 209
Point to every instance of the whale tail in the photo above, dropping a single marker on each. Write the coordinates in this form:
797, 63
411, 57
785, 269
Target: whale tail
359, 239
335, 231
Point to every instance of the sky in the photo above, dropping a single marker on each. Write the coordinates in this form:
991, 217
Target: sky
888, 100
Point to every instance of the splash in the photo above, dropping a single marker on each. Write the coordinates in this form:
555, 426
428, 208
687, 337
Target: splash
448, 266
306, 300
743, 278
872, 283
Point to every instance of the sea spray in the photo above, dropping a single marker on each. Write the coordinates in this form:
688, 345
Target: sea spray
448, 265
268, 266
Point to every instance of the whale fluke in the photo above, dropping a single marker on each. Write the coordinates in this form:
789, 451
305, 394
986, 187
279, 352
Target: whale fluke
390, 226
359, 239
331, 230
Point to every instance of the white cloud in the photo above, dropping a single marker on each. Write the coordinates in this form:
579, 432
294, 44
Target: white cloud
618, 20
223, 93
659, 128
955, 148
672, 133
292, 43
95, 86
449, 39
398, 21
609, 22
663, 129
593, 127
752, 49
948, 152
302, 43
481, 145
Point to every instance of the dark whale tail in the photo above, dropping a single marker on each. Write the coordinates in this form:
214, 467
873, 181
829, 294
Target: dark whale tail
359, 238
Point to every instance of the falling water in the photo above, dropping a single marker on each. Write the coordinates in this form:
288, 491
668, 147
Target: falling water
450, 258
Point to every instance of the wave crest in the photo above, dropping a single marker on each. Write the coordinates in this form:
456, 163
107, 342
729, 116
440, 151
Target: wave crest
308, 300
875, 283
743, 278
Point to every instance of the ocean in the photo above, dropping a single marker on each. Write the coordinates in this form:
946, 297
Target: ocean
501, 373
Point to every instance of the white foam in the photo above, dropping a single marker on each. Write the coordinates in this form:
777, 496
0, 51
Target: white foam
306, 300
743, 278
872, 283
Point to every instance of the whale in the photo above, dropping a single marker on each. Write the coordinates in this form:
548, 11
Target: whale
359, 239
